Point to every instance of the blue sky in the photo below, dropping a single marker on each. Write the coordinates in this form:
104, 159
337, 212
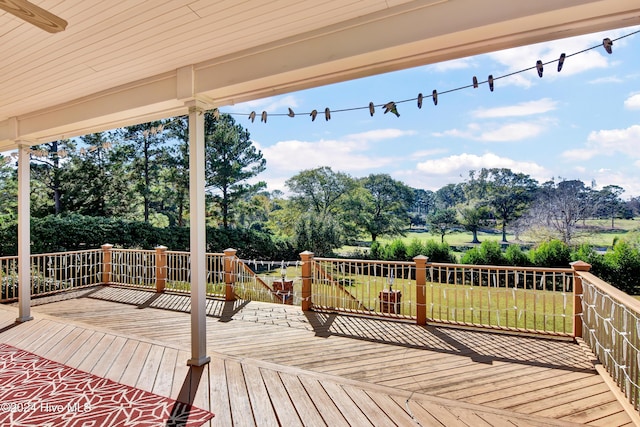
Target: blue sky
580, 123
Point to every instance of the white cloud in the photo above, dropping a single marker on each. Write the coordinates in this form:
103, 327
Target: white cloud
528, 108
435, 173
342, 155
456, 64
579, 154
513, 132
379, 135
616, 140
607, 143
462, 163
350, 154
627, 181
607, 80
456, 133
633, 102
426, 153
492, 132
271, 104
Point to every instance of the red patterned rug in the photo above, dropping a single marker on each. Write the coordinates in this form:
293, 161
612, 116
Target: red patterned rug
35, 391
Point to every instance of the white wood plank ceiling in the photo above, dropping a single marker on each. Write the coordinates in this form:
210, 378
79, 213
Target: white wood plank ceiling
125, 61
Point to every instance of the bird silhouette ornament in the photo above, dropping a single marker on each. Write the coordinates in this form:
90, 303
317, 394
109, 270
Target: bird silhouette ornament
390, 107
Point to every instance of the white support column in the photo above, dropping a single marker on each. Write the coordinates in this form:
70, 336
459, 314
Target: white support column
198, 234
24, 235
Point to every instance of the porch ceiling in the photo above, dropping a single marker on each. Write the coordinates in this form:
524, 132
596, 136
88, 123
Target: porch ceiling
121, 62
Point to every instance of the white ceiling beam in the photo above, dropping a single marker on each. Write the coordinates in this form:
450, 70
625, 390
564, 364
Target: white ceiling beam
378, 46
412, 34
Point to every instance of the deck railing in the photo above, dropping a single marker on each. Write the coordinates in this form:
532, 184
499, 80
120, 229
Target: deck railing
367, 287
132, 267
227, 276
611, 328
175, 272
559, 301
8, 278
514, 298
252, 286
517, 298
52, 273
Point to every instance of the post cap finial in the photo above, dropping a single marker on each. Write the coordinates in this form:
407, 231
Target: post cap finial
580, 265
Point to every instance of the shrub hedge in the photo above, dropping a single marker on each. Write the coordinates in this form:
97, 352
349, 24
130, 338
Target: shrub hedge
619, 267
56, 233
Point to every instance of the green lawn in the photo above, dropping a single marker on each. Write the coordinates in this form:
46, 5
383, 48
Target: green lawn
457, 238
597, 232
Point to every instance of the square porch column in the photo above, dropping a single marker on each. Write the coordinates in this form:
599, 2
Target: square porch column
24, 234
198, 234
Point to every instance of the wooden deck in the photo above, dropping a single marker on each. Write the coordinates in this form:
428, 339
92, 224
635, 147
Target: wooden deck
275, 365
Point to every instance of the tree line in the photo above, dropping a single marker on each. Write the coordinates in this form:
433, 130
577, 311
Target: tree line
500, 198
140, 174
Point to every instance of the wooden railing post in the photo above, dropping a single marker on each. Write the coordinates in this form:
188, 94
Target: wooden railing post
307, 261
106, 263
577, 295
229, 274
421, 289
161, 268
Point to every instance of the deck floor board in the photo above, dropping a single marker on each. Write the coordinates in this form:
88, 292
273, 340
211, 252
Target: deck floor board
275, 365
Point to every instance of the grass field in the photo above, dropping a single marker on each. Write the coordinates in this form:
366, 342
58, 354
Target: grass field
597, 232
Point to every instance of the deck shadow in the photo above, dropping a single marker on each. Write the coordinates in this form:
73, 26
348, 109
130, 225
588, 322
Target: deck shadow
321, 327
230, 309
187, 395
484, 347
9, 327
149, 301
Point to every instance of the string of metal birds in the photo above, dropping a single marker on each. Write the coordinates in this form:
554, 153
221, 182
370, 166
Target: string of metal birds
392, 106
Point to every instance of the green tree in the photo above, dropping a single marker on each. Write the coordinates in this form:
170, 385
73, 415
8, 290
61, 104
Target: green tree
231, 160
488, 253
624, 264
318, 235
507, 193
146, 146
323, 196
424, 201
386, 210
320, 190
449, 196
441, 221
561, 206
8, 192
395, 251
95, 182
473, 218
283, 216
552, 253
47, 169
174, 185
354, 211
253, 212
174, 177
516, 257
611, 205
